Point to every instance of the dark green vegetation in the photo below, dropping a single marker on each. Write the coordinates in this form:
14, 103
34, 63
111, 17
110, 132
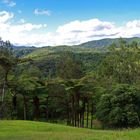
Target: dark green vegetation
107, 42
26, 130
77, 86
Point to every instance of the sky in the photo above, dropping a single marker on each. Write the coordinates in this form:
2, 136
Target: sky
67, 22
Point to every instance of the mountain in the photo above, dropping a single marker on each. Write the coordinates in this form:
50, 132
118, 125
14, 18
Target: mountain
107, 42
47, 58
91, 46
90, 54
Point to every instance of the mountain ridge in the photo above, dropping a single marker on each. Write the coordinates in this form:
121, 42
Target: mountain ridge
90, 44
107, 42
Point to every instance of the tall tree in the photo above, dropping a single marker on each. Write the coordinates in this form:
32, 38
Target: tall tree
68, 67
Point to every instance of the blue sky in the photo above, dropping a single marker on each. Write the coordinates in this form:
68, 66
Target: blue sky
56, 22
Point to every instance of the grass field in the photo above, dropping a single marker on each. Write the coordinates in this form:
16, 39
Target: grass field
27, 130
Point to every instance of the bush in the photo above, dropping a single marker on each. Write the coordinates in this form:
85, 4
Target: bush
119, 108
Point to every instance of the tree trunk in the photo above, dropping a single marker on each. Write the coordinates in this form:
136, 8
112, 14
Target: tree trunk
3, 91
83, 112
75, 118
92, 115
14, 103
68, 115
47, 109
14, 100
25, 107
80, 118
73, 112
2, 107
77, 109
4, 86
87, 113
36, 108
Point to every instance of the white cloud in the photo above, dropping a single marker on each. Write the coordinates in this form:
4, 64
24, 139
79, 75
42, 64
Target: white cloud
9, 3
25, 27
82, 26
5, 16
133, 24
19, 33
75, 32
42, 12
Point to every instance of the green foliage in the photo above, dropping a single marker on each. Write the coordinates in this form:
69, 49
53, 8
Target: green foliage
48, 58
119, 107
68, 67
73, 84
121, 65
21, 51
104, 43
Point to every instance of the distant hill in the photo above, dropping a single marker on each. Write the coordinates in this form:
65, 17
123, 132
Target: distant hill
107, 42
46, 58
90, 54
91, 46
21, 51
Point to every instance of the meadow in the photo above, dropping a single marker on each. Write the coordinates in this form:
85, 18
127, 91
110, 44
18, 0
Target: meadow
28, 130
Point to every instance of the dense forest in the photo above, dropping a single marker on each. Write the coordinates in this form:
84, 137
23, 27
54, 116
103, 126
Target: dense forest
75, 85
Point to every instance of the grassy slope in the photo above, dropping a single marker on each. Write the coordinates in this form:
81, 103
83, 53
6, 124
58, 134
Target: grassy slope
26, 130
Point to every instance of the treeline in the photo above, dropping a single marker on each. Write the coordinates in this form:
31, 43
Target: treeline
108, 95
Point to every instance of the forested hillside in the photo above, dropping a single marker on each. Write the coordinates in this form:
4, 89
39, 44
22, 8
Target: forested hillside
48, 57
77, 86
107, 42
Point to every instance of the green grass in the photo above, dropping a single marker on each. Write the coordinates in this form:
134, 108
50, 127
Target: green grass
27, 130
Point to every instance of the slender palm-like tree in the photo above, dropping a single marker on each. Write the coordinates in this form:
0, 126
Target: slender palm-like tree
7, 61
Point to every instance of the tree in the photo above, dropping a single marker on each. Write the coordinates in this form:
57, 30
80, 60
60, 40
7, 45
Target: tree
7, 62
56, 106
26, 82
68, 67
121, 65
119, 108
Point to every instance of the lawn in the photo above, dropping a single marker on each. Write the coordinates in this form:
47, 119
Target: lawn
27, 130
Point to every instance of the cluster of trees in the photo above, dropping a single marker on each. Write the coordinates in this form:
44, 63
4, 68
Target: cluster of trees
109, 94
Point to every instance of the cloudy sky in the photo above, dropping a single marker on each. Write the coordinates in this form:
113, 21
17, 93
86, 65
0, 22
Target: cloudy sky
67, 22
